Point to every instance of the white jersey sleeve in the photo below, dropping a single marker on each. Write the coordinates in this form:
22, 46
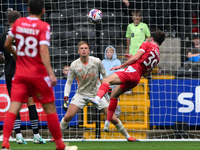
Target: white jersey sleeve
70, 79
102, 69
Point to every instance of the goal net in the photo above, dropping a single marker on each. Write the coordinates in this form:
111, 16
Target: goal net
165, 105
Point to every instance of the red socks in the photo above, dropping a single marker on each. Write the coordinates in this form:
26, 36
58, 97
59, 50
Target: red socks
103, 89
111, 108
54, 127
7, 128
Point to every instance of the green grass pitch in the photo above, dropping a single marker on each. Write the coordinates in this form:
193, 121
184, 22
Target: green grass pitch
99, 145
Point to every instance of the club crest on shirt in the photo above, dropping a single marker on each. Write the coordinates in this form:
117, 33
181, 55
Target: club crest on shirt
141, 29
132, 34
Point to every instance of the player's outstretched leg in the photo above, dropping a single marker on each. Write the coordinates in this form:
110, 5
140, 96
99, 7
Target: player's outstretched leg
111, 109
120, 127
33, 115
17, 127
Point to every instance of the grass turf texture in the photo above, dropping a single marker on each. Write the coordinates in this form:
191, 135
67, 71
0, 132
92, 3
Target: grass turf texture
86, 145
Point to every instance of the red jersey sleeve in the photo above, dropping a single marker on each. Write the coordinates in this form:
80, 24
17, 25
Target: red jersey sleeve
144, 46
44, 37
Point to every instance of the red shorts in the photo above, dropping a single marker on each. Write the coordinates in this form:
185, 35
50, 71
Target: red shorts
40, 88
129, 78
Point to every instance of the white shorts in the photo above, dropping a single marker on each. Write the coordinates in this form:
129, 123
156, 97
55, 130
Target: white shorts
78, 101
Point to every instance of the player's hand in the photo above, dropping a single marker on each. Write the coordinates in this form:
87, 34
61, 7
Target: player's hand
128, 56
66, 102
53, 79
126, 2
115, 68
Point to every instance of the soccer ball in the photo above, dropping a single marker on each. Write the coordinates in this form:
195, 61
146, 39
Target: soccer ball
95, 16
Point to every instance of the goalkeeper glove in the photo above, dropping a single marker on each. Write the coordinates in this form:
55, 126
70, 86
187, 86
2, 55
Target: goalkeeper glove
66, 102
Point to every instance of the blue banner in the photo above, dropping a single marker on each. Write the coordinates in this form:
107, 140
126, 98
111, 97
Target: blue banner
59, 95
174, 100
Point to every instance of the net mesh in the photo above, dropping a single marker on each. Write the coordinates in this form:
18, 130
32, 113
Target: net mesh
163, 106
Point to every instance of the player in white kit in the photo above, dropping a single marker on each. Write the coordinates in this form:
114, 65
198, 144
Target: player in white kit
86, 69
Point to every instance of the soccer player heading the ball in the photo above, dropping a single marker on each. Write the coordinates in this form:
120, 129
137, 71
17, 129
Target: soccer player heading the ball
141, 64
87, 69
33, 74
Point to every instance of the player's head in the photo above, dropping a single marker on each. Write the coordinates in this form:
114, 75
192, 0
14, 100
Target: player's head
36, 7
196, 38
109, 52
83, 48
136, 17
66, 70
158, 37
12, 16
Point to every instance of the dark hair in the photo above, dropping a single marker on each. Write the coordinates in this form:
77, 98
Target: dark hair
36, 7
195, 35
66, 64
158, 37
136, 12
13, 15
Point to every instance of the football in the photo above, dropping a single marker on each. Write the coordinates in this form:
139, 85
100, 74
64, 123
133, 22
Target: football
95, 16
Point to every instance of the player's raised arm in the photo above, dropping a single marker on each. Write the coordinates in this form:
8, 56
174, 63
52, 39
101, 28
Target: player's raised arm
44, 53
8, 45
130, 61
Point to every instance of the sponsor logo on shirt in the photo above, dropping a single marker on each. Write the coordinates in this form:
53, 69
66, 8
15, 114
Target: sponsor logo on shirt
39, 96
88, 76
130, 69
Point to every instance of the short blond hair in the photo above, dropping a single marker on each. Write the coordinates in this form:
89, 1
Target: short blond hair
81, 43
110, 48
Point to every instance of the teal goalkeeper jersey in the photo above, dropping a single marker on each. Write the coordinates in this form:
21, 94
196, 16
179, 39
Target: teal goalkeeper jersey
137, 36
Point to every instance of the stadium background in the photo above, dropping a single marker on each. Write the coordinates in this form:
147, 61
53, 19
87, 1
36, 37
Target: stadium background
162, 106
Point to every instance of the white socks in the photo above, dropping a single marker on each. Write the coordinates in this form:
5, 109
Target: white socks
37, 135
107, 124
19, 135
63, 125
120, 128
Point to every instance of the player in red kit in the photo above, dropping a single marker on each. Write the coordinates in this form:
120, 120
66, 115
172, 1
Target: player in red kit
33, 74
141, 64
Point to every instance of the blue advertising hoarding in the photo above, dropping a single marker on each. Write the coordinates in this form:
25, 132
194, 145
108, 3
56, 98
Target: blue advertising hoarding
59, 94
174, 100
